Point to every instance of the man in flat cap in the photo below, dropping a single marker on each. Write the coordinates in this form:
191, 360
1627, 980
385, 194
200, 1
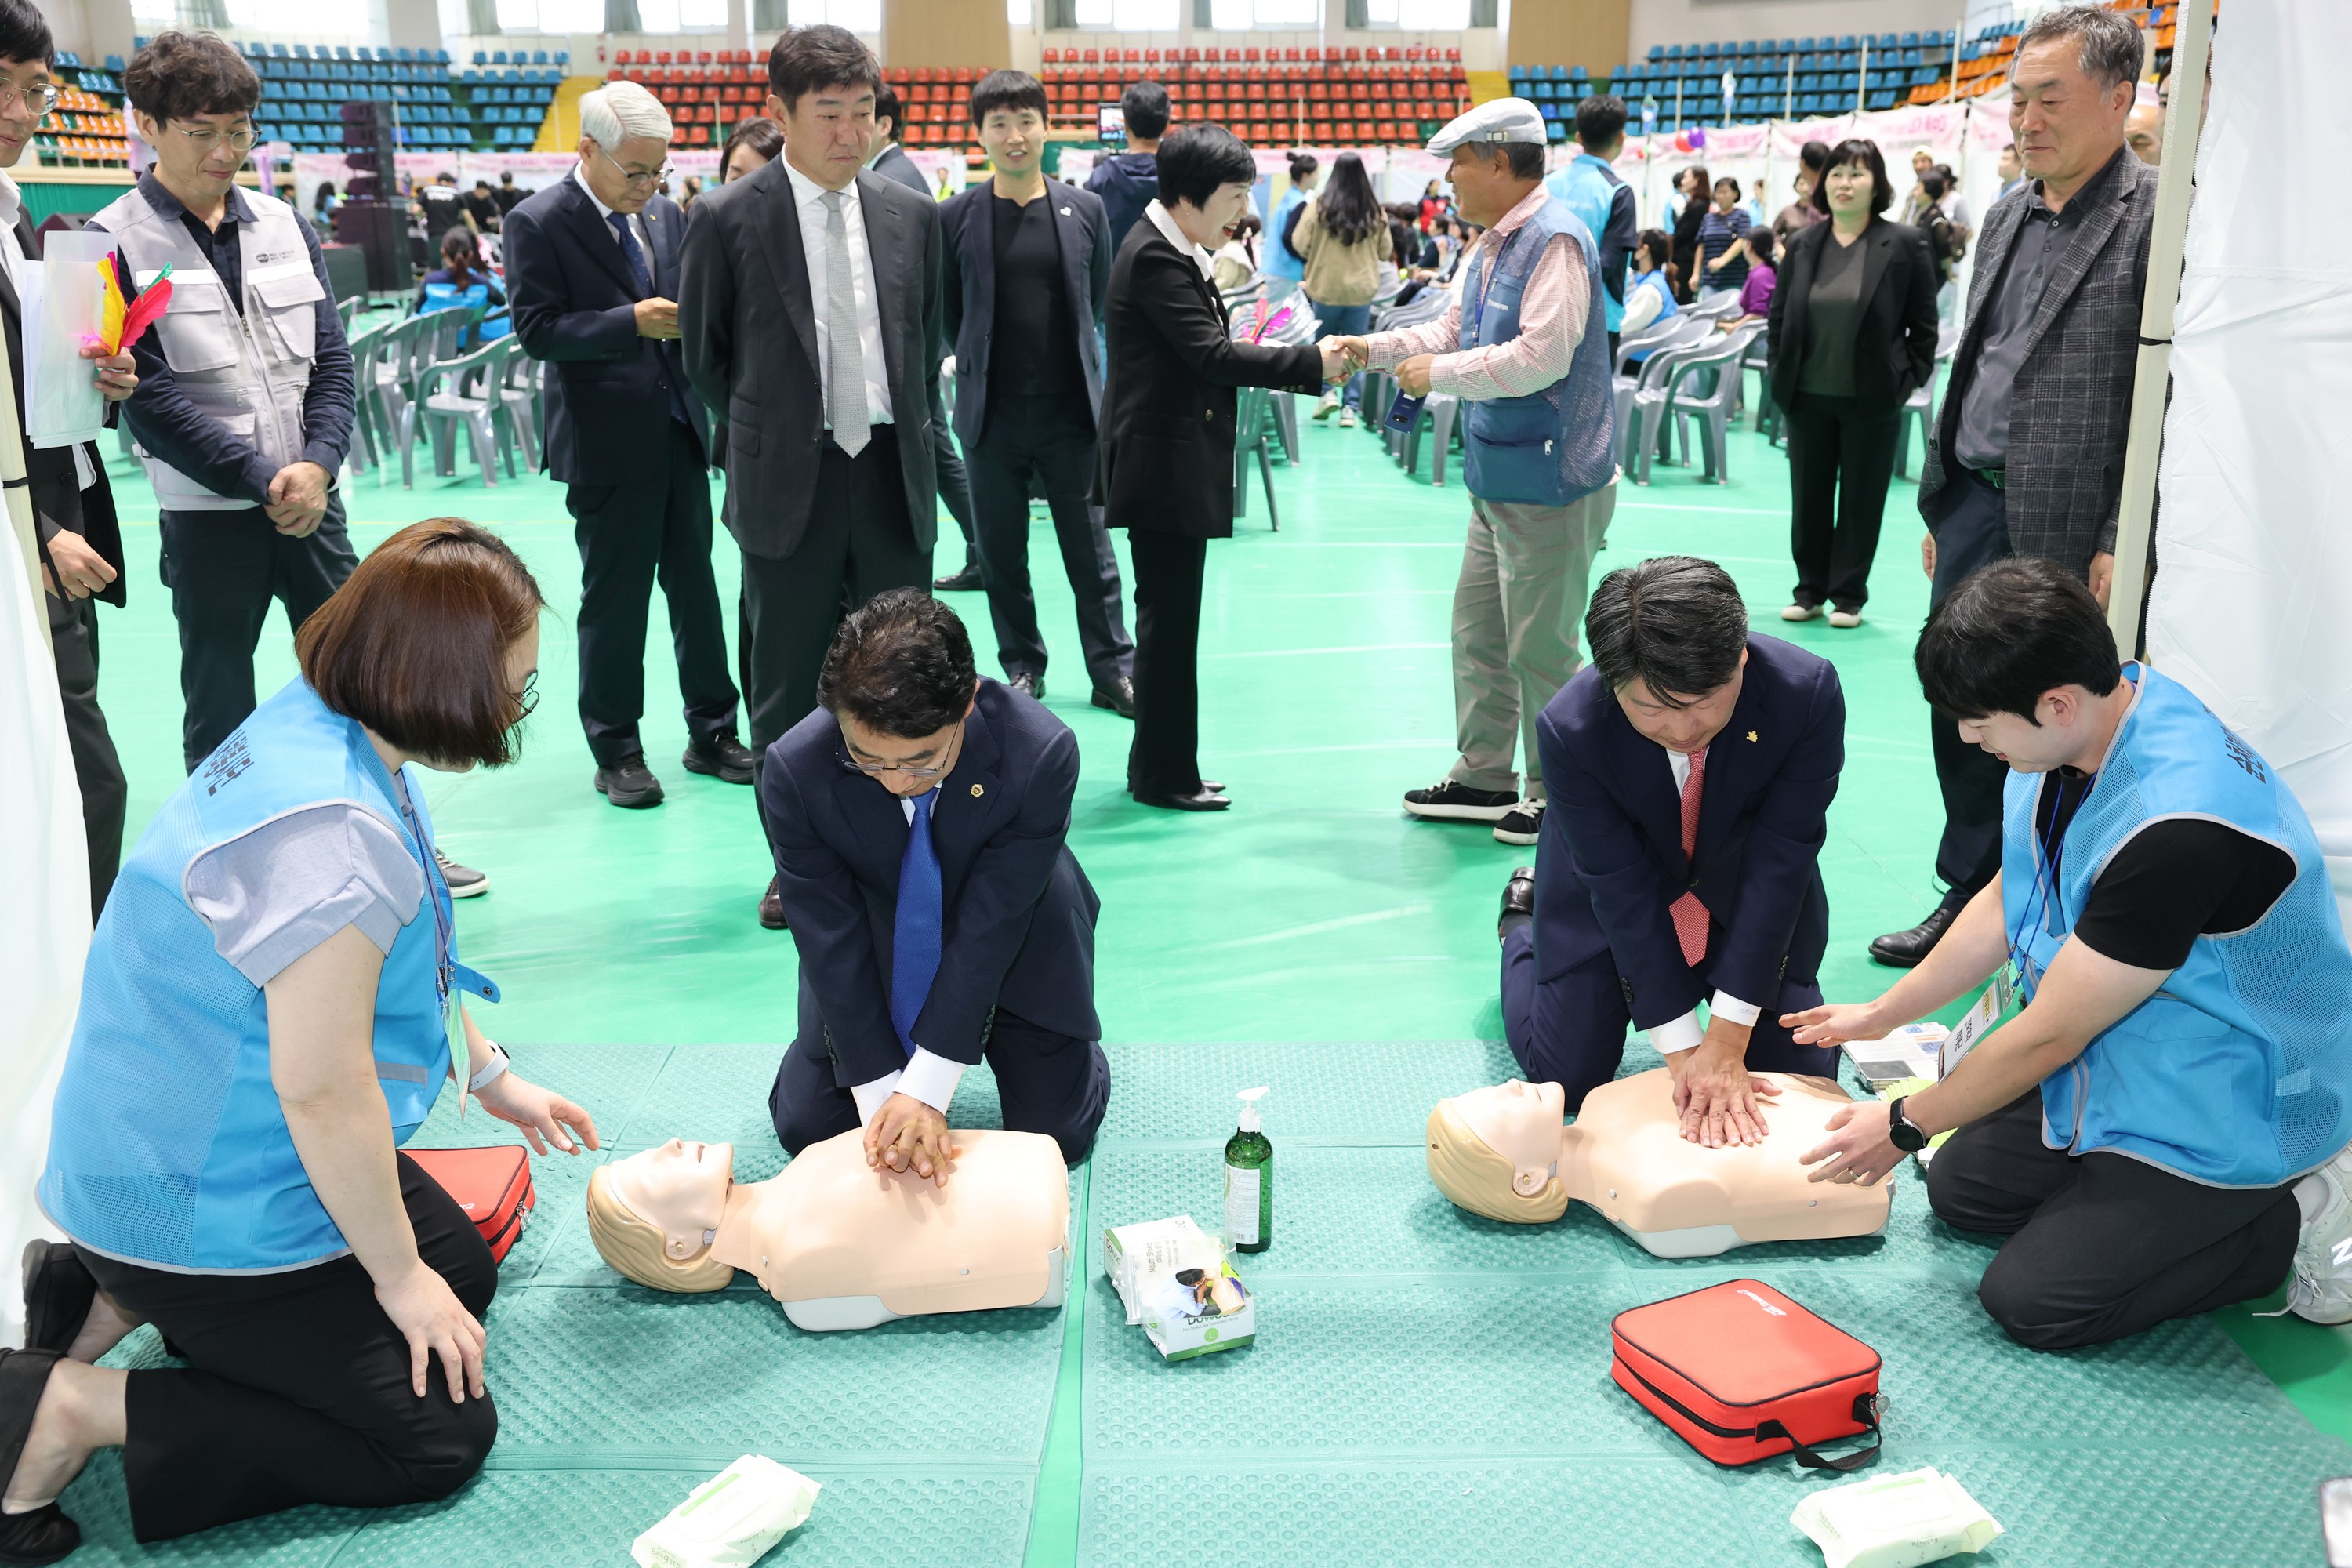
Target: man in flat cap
1526, 351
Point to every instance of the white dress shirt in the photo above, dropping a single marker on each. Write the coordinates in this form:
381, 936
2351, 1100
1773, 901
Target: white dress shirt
1166, 224
929, 1079
604, 216
1683, 1033
12, 205
808, 198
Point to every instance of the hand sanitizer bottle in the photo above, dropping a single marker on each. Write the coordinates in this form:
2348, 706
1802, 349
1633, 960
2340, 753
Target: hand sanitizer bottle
1249, 1181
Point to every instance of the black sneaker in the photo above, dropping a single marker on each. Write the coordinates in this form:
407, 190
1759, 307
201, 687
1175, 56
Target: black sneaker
720, 757
629, 783
1523, 824
1451, 802
464, 882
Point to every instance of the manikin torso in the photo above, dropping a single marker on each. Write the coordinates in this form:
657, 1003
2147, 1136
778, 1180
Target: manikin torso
845, 1247
1625, 1156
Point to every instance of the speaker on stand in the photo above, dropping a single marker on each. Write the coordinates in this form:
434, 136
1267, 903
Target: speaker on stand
373, 212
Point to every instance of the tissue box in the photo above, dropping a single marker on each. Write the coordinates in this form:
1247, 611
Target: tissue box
729, 1520
1174, 1279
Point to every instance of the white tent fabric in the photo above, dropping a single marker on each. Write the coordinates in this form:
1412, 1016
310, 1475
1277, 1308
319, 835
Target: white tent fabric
2254, 531
44, 916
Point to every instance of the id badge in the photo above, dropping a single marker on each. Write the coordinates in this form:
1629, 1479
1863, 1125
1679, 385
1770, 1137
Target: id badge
1969, 1031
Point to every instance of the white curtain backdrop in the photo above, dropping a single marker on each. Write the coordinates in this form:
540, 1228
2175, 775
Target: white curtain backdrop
2255, 532
43, 912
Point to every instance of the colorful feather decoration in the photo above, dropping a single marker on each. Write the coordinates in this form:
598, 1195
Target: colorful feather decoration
126, 310
111, 305
150, 303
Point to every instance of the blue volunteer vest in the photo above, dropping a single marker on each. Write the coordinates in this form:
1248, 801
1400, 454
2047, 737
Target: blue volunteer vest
1274, 257
1558, 444
1589, 188
167, 1146
2238, 1073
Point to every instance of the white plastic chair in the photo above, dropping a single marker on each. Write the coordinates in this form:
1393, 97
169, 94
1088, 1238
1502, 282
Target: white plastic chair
1920, 406
1721, 364
461, 392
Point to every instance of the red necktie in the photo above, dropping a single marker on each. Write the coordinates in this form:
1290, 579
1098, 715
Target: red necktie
1690, 914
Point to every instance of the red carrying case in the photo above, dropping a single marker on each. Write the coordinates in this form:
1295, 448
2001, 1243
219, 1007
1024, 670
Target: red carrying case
492, 1186
1742, 1374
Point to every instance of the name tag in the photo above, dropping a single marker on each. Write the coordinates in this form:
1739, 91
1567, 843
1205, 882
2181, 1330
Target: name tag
1981, 1019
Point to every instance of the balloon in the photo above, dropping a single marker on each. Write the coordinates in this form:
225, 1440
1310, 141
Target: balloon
1698, 139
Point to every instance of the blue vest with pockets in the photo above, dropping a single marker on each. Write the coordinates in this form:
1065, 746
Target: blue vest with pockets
167, 1143
1556, 444
2238, 1072
1589, 188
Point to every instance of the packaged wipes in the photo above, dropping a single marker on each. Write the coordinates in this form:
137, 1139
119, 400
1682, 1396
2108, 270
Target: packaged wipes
1896, 1521
731, 1520
1174, 1279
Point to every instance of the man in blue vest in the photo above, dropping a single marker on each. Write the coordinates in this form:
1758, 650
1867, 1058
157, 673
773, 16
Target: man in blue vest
1593, 193
2162, 1129
1522, 350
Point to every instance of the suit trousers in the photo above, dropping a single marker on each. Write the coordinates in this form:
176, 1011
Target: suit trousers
1973, 533
859, 541
1052, 439
1840, 461
1049, 1083
105, 793
1570, 1029
955, 488
297, 1389
631, 536
1517, 607
223, 568
2102, 1244
1165, 756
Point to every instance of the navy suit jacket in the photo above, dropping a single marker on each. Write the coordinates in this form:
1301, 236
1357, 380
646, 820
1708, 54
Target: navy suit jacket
1020, 927
968, 224
575, 306
1611, 861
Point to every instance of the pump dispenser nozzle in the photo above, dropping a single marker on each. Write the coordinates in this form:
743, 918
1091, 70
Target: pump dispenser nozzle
1249, 1099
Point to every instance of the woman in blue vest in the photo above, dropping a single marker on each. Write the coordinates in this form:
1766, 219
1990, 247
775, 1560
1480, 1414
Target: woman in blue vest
269, 1009
2162, 1129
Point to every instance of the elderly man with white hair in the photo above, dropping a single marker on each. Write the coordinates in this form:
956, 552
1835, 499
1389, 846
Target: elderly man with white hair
592, 270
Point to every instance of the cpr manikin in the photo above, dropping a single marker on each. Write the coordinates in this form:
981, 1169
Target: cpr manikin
840, 1245
1502, 1153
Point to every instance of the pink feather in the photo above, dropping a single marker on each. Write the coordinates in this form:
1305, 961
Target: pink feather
144, 309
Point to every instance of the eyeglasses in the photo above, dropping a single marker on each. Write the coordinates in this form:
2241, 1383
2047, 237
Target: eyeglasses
527, 699
629, 177
39, 101
876, 770
208, 138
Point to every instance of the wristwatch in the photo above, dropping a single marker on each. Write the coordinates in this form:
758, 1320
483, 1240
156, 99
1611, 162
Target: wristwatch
1900, 1131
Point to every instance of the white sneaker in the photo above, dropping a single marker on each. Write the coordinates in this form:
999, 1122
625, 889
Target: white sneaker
1347, 419
1800, 612
1845, 620
1328, 405
2321, 1287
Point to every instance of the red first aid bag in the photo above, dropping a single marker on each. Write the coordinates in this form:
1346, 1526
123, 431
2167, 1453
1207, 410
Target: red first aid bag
1742, 1372
492, 1186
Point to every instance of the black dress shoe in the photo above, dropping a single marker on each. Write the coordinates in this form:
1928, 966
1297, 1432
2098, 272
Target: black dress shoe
721, 757
1519, 892
58, 1294
1903, 949
629, 783
1119, 697
1028, 685
964, 581
772, 905
1204, 799
45, 1535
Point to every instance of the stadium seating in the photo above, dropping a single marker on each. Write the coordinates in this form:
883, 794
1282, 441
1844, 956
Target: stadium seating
1315, 97
85, 129
1770, 78
497, 104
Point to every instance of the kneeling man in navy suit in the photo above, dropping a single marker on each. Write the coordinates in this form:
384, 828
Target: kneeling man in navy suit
920, 820
1691, 767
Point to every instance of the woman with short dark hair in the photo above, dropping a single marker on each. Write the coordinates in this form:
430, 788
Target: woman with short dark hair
269, 1010
756, 140
1164, 469
1852, 328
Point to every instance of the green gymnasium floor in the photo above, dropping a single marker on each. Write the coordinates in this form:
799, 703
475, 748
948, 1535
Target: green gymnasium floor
1425, 1384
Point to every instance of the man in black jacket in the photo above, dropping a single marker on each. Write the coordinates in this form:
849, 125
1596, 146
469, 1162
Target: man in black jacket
73, 506
1129, 182
920, 825
592, 273
1028, 265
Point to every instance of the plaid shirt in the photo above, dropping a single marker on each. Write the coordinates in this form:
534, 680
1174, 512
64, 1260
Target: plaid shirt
2070, 406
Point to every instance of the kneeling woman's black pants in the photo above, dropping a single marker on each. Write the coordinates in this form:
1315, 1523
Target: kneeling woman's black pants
297, 1385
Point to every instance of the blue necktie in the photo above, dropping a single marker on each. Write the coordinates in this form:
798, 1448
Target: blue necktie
915, 935
636, 257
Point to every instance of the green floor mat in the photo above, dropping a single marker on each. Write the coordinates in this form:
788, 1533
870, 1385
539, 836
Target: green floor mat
1426, 1383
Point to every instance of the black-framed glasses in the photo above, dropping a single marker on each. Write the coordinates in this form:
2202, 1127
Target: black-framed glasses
39, 99
527, 699
876, 770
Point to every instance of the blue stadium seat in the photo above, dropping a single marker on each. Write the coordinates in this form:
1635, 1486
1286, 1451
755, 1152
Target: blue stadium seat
1708, 51
1673, 51
1657, 52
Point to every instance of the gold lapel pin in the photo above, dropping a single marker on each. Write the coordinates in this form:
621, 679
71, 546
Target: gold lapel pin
977, 792
1751, 734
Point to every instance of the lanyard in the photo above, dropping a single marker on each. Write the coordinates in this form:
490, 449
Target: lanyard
445, 974
2045, 874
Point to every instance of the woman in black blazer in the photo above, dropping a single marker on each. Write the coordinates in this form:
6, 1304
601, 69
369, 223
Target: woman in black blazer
1165, 466
1852, 334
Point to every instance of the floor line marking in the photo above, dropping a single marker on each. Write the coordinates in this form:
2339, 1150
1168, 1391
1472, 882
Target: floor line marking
1317, 928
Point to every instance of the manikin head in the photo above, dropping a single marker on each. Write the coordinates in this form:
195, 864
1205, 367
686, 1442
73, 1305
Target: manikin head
652, 1216
2021, 655
1495, 1152
1670, 638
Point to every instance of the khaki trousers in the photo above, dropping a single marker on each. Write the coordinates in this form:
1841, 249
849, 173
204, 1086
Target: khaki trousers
1516, 608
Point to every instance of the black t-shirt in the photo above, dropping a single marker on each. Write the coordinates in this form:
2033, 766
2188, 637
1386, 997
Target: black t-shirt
508, 197
1033, 347
484, 206
444, 210
2171, 882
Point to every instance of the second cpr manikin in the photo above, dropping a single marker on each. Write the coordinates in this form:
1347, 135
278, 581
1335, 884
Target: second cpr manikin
842, 1246
1503, 1152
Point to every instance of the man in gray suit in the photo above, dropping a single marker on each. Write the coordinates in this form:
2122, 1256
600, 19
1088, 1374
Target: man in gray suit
810, 314
2028, 455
